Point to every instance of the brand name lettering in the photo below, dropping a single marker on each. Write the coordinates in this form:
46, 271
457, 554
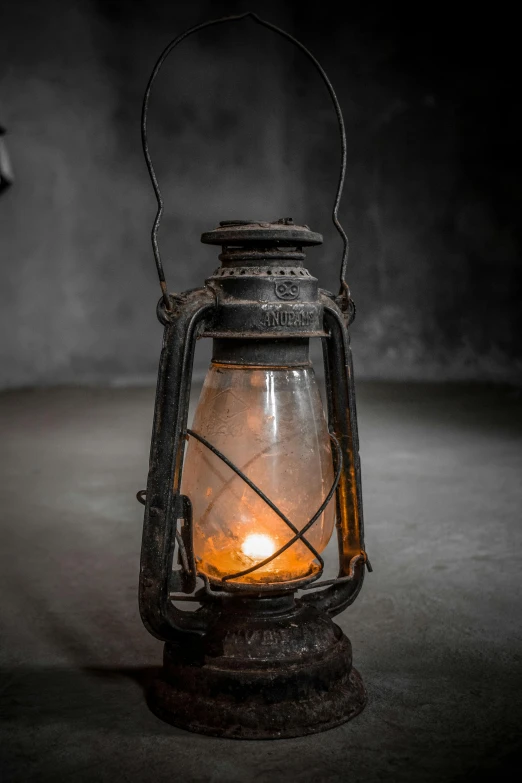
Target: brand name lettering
289, 318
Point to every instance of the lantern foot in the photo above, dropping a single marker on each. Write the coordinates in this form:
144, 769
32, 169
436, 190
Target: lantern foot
262, 671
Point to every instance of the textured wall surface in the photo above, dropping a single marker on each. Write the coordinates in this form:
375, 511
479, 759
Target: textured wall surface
241, 127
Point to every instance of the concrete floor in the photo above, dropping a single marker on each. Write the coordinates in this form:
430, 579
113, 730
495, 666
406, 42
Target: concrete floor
436, 630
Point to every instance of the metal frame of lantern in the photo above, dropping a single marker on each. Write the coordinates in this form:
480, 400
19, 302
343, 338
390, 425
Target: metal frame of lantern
253, 661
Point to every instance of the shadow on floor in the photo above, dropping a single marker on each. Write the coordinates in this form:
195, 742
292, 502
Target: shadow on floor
88, 698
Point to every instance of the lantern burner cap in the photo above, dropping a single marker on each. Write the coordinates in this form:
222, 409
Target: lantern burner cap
245, 233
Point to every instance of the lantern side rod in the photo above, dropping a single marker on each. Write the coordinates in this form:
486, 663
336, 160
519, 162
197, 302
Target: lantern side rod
344, 292
164, 504
341, 592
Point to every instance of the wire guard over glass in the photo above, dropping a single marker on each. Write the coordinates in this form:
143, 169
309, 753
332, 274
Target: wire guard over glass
299, 535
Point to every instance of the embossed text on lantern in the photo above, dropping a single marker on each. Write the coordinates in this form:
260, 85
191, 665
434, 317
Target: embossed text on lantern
289, 318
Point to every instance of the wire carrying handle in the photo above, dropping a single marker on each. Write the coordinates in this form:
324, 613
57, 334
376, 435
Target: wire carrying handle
344, 292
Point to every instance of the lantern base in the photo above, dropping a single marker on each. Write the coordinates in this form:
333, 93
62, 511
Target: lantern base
267, 669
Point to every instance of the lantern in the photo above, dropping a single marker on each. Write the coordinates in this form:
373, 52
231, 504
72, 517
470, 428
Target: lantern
240, 505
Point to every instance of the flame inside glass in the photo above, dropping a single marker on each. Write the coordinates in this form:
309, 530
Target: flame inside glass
270, 423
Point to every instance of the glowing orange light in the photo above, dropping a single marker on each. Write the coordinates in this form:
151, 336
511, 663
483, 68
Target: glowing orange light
258, 546
270, 423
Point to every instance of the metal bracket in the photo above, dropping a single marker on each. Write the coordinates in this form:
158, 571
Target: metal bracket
164, 503
342, 418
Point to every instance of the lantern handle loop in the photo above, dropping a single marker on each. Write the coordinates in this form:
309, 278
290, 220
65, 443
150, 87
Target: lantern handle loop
344, 292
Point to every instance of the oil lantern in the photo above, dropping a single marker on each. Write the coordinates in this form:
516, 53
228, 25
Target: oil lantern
240, 505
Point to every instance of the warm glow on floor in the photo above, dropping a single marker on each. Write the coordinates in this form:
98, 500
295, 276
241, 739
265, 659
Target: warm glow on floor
258, 546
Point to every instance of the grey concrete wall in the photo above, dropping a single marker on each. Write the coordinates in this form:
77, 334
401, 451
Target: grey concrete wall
241, 127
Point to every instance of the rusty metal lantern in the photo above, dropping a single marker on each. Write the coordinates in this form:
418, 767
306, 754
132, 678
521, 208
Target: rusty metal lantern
239, 508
